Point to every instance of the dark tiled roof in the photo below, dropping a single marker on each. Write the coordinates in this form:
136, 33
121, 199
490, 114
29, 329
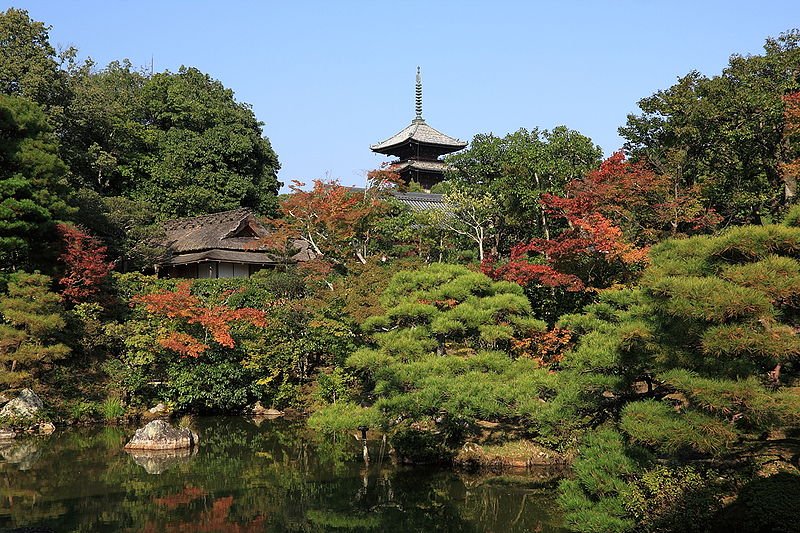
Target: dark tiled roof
421, 201
418, 131
429, 166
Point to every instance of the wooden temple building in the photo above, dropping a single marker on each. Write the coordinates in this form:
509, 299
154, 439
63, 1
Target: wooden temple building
418, 148
220, 245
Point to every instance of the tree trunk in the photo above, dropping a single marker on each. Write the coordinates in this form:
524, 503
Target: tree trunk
542, 212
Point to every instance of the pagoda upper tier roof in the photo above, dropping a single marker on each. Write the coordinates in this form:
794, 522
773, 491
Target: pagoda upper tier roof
419, 132
428, 166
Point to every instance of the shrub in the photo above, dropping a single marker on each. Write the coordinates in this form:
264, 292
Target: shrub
673, 499
112, 409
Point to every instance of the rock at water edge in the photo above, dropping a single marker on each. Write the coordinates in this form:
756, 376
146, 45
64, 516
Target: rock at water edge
26, 405
160, 435
259, 410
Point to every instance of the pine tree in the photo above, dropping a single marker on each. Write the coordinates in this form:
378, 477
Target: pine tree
32, 320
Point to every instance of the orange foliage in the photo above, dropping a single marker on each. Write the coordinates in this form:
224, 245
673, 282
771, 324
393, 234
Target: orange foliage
333, 221
791, 133
546, 348
185, 497
214, 520
183, 306
646, 206
184, 344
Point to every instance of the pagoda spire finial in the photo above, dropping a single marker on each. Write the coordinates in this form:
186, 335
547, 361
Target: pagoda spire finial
418, 106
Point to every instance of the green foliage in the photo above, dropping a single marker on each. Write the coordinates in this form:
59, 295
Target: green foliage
744, 400
29, 66
83, 411
344, 416
179, 142
111, 409
449, 307
725, 134
31, 186
514, 171
216, 383
203, 151
656, 424
32, 322
595, 499
710, 299
668, 499
792, 217
695, 363
280, 283
427, 363
333, 386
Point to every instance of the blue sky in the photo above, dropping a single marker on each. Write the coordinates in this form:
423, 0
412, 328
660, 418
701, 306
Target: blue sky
329, 78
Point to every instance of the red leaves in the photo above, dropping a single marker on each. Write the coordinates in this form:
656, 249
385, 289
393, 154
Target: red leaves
184, 344
547, 347
86, 265
334, 221
569, 261
613, 214
523, 272
791, 133
215, 320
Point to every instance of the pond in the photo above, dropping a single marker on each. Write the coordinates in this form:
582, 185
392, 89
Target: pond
249, 476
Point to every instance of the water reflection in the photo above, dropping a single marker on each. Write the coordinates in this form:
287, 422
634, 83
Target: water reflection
22, 452
276, 477
159, 461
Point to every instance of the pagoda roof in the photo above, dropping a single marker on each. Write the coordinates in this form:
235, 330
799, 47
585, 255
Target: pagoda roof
419, 132
423, 165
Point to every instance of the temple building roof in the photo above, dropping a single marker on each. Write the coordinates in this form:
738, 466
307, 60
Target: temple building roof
419, 132
424, 165
225, 236
421, 201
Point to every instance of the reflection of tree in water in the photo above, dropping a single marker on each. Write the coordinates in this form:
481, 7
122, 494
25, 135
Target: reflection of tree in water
279, 477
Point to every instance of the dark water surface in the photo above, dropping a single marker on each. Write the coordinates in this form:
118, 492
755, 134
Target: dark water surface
276, 476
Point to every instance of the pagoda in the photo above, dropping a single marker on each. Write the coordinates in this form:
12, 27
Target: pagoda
418, 148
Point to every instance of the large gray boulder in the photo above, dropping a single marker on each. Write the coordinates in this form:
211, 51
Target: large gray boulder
24, 406
160, 435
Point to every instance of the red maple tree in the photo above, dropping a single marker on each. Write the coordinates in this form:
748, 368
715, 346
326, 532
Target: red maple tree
612, 216
215, 321
86, 267
333, 221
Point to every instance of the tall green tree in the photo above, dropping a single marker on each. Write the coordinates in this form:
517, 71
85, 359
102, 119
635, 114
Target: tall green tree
725, 133
179, 141
29, 65
516, 170
32, 185
104, 127
204, 151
